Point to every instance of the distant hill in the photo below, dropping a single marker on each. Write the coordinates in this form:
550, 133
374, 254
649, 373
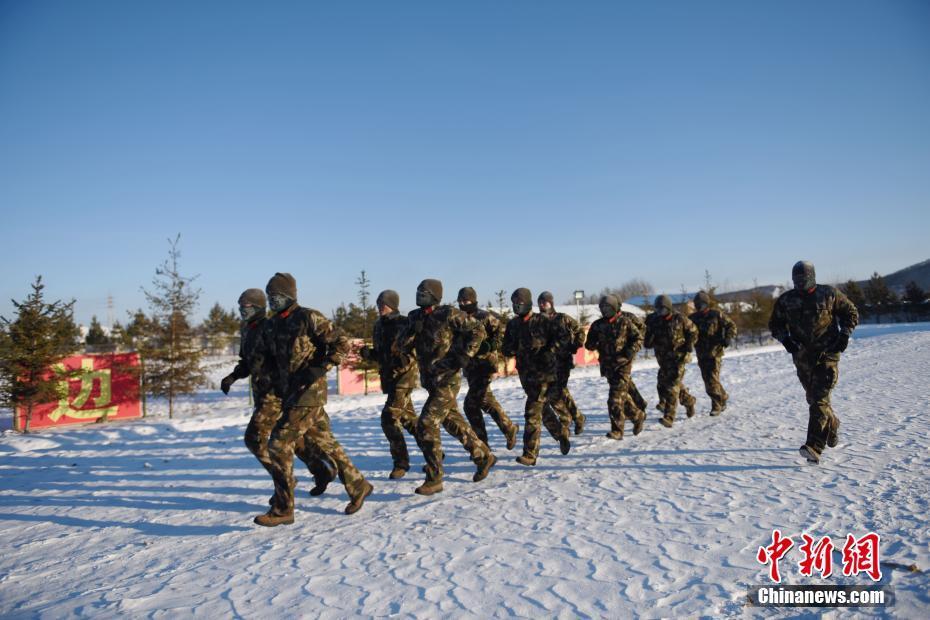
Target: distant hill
919, 273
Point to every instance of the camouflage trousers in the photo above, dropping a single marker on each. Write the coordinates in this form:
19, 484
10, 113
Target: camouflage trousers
562, 373
480, 400
710, 372
555, 417
621, 405
310, 424
398, 416
636, 399
442, 410
818, 374
258, 432
671, 387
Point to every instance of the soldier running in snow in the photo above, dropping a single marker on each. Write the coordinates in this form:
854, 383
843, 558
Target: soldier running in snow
814, 322
672, 335
715, 333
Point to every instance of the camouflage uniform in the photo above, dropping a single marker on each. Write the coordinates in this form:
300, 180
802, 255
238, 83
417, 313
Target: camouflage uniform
444, 338
398, 372
300, 345
479, 372
637, 401
569, 337
811, 322
532, 340
267, 409
616, 341
672, 336
715, 331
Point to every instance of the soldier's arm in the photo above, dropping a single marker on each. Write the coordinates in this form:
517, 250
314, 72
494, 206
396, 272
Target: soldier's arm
778, 323
509, 343
472, 334
577, 334
729, 328
649, 340
495, 333
592, 340
846, 313
634, 340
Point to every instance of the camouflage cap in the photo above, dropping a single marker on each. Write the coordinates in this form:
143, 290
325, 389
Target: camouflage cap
388, 298
254, 296
663, 301
468, 295
522, 296
433, 287
701, 300
610, 300
282, 284
545, 296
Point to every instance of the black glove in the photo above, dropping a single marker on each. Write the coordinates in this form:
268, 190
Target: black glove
791, 345
226, 383
310, 376
365, 353
726, 343
446, 365
838, 344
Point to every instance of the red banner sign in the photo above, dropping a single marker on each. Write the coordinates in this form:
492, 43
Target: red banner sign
106, 388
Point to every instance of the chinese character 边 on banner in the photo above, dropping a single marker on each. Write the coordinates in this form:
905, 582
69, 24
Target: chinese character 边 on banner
106, 387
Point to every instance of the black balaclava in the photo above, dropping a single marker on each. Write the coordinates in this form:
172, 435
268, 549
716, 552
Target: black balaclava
803, 276
522, 300
251, 304
388, 298
609, 305
546, 296
429, 293
663, 305
701, 301
281, 290
468, 300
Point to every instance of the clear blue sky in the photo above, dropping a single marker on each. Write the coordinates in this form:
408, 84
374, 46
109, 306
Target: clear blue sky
555, 145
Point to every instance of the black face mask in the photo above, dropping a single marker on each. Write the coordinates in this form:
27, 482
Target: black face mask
468, 307
521, 308
607, 312
803, 277
700, 306
662, 311
247, 313
425, 299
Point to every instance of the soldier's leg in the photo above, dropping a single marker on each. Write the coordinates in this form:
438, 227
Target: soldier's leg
710, 373
556, 417
493, 408
320, 465
631, 410
393, 423
562, 374
684, 396
473, 401
427, 436
823, 379
455, 425
667, 386
289, 429
258, 432
320, 441
638, 399
616, 395
535, 401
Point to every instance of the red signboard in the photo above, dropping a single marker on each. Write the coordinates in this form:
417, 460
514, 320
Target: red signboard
106, 388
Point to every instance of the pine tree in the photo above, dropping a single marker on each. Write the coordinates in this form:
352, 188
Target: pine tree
363, 319
41, 335
96, 338
852, 290
173, 366
877, 292
913, 294
221, 327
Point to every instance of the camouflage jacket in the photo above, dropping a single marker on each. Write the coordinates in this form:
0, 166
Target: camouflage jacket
672, 336
640, 325
294, 341
532, 340
396, 368
569, 337
488, 353
444, 339
250, 363
616, 341
813, 319
713, 328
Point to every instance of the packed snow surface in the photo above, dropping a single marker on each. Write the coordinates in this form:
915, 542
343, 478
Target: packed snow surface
154, 518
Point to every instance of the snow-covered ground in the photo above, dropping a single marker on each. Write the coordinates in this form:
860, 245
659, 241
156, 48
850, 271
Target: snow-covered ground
153, 518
